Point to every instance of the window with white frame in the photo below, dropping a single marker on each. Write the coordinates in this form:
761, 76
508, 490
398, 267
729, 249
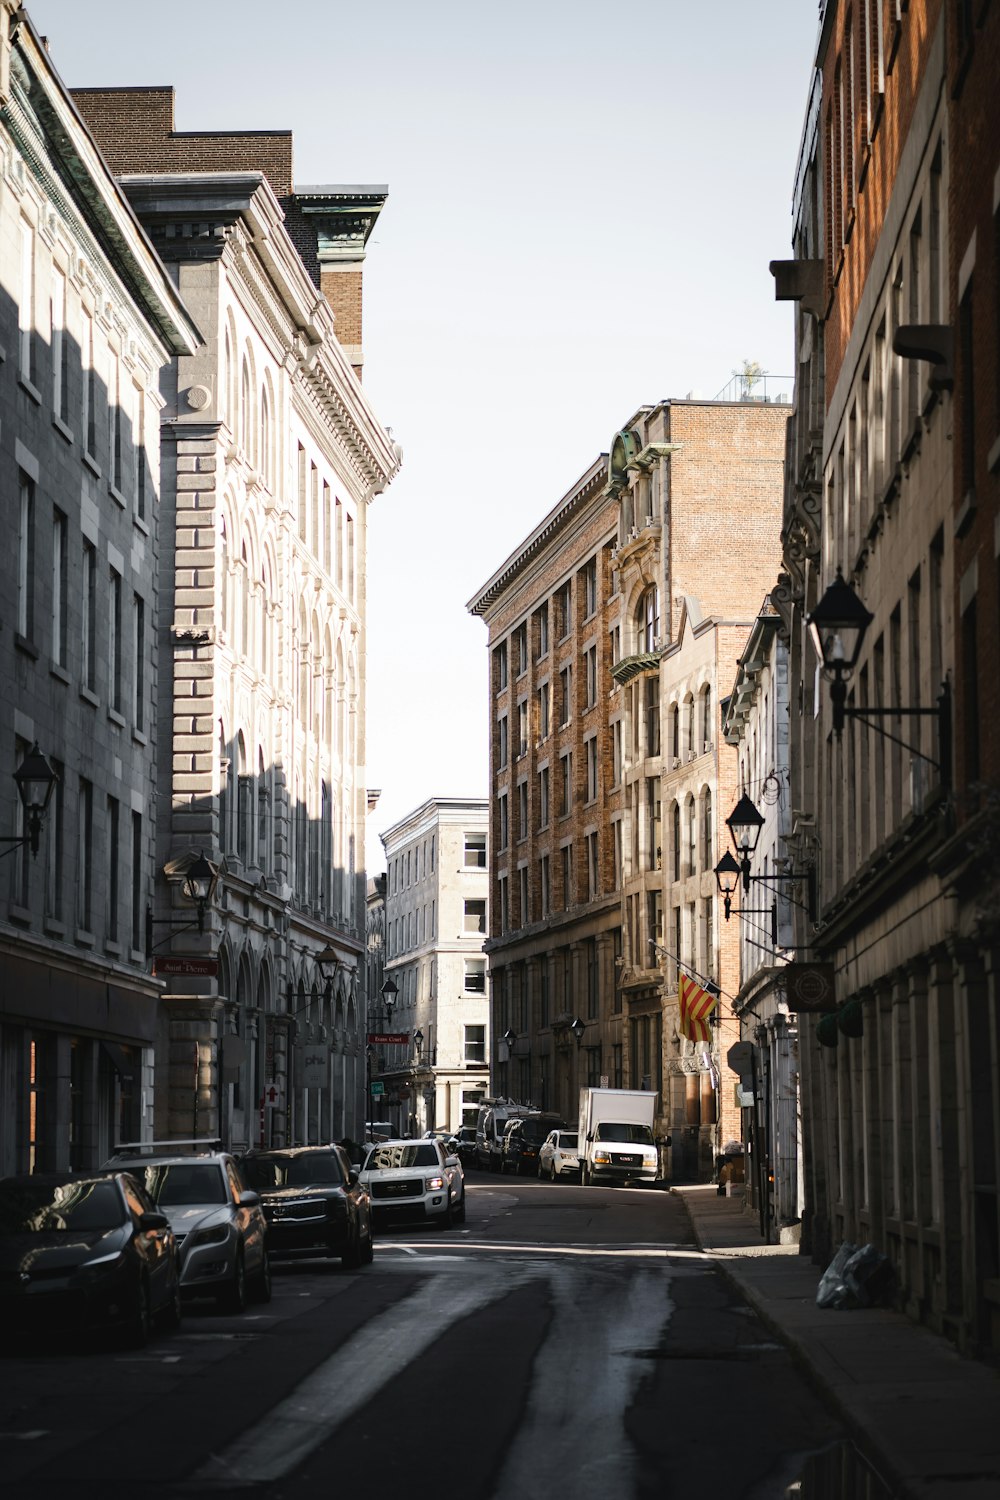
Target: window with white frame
475, 851
475, 1046
475, 976
475, 916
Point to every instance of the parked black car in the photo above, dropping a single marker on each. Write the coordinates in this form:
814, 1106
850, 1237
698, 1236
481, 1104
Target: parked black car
523, 1139
84, 1253
313, 1203
465, 1143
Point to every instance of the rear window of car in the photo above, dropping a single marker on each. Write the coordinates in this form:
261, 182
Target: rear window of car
567, 1140
38, 1207
318, 1169
536, 1130
177, 1183
405, 1154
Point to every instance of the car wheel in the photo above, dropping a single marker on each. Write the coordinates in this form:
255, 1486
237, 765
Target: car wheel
447, 1219
368, 1247
234, 1298
137, 1331
262, 1284
460, 1211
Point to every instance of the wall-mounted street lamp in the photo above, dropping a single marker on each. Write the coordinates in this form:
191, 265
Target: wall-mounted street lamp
389, 992
199, 886
745, 823
35, 781
837, 627
510, 1037
418, 1042
578, 1027
329, 962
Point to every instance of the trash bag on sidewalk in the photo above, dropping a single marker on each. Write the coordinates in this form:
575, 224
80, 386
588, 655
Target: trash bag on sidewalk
858, 1276
833, 1290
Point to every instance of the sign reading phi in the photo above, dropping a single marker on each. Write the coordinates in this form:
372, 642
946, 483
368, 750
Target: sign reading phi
315, 1066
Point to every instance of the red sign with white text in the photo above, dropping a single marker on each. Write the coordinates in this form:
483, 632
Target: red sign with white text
206, 968
388, 1038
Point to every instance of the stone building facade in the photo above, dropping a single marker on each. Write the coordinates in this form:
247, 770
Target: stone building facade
271, 456
436, 920
899, 1084
88, 316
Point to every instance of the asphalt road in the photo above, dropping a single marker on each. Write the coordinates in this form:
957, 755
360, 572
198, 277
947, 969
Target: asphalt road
563, 1342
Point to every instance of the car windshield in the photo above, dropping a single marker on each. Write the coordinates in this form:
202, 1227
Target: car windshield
318, 1169
403, 1154
177, 1183
566, 1142
38, 1207
636, 1135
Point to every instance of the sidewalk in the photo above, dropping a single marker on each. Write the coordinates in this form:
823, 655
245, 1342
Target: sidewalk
928, 1418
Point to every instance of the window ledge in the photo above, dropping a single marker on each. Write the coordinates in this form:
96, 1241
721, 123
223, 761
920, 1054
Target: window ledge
117, 495
19, 914
140, 524
58, 672
89, 696
116, 718
63, 431
966, 513
30, 389
54, 928
92, 464
139, 736
23, 643
83, 938
113, 947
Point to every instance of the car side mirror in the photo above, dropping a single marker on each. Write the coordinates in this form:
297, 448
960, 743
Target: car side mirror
353, 1175
451, 1161
149, 1222
249, 1198
663, 1140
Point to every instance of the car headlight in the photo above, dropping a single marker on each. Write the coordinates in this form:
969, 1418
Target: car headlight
434, 1184
602, 1158
216, 1236
649, 1158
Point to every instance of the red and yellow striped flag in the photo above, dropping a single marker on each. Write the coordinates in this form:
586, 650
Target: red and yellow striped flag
696, 1006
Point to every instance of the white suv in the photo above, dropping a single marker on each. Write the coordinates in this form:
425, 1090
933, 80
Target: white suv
414, 1180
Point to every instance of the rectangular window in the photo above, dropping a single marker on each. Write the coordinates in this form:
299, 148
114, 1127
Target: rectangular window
524, 913
54, 851
617, 836
503, 822
475, 976
616, 753
543, 711
115, 640
593, 868
522, 810
314, 520
543, 797
565, 784
139, 661
26, 305
567, 875
114, 423
542, 630
60, 532
326, 521
500, 667
475, 916
503, 888
651, 708
968, 391
522, 728
475, 851
350, 558
590, 588
60, 347
138, 883
590, 666
565, 696
303, 491
521, 648
709, 926
113, 867
475, 1046
88, 357
139, 454
970, 695
84, 854
591, 751
338, 542
564, 613
545, 887
26, 558
502, 742
655, 834
89, 604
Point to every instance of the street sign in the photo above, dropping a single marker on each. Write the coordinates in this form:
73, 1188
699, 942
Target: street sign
739, 1057
186, 968
272, 1097
388, 1038
378, 1089
605, 1080
315, 1065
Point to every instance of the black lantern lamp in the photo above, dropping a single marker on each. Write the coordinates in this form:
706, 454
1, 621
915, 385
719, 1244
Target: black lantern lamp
36, 781
727, 875
418, 1041
837, 626
578, 1027
329, 962
390, 989
744, 824
200, 881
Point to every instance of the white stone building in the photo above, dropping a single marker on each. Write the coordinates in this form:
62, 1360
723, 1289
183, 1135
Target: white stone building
436, 921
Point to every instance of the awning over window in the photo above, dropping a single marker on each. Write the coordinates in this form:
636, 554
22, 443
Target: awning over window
635, 666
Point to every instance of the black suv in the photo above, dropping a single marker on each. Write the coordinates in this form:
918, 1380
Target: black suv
313, 1203
522, 1140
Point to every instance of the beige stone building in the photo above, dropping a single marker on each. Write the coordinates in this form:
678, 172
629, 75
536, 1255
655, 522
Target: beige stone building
271, 456
436, 915
88, 316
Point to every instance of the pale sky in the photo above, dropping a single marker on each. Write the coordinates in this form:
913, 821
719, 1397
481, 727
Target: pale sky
583, 201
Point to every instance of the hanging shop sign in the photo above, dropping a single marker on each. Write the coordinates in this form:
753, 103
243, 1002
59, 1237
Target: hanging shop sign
810, 987
315, 1065
187, 968
388, 1038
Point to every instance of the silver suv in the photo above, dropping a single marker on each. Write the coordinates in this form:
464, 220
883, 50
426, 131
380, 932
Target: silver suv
217, 1220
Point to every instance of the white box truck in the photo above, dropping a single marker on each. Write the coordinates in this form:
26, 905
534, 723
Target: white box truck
616, 1136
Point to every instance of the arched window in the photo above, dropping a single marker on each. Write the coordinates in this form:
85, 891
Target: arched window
227, 379
243, 802
675, 731
303, 669
263, 621
223, 590
244, 586
691, 828
708, 832
675, 838
707, 735
266, 462
225, 799
648, 619
263, 814
246, 414
689, 731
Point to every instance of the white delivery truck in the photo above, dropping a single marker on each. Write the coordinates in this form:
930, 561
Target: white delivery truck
616, 1136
